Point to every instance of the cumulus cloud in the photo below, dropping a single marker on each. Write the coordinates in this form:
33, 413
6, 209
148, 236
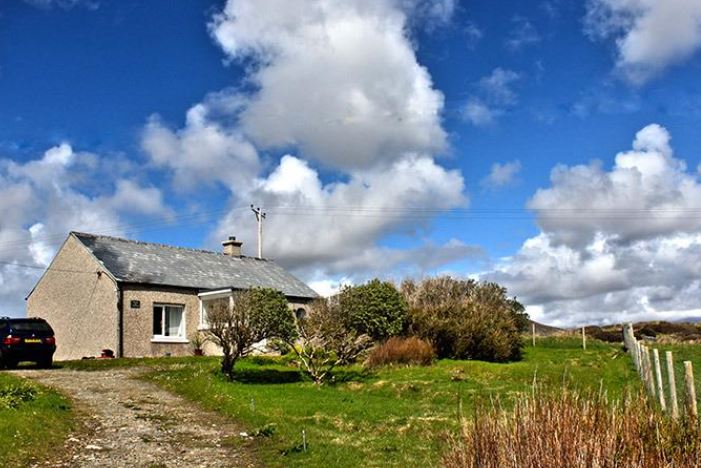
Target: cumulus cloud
615, 244
502, 175
649, 35
473, 34
336, 85
494, 97
334, 227
497, 86
337, 79
522, 34
478, 113
647, 193
202, 152
42, 199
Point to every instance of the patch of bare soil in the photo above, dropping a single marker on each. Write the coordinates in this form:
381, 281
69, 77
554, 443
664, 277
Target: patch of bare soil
128, 422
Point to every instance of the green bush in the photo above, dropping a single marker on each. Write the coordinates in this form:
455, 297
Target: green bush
608, 335
465, 319
12, 395
375, 309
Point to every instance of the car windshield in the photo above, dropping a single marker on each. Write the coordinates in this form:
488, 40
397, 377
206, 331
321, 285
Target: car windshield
30, 325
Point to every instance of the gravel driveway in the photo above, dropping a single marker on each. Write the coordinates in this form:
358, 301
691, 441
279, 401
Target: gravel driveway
129, 422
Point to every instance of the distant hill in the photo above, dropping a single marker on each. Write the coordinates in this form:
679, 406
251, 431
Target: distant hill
678, 331
544, 330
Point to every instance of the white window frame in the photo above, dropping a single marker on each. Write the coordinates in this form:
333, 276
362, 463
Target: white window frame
182, 334
208, 296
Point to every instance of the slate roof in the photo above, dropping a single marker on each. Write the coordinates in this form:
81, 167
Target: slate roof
146, 263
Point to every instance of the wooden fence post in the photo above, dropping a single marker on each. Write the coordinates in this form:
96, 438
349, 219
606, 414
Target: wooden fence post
533, 333
672, 385
648, 372
631, 344
584, 339
690, 389
627, 337
658, 378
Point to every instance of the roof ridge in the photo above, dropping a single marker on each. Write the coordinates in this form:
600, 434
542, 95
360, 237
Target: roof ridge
190, 249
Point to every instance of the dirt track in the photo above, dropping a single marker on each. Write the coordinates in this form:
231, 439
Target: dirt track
127, 422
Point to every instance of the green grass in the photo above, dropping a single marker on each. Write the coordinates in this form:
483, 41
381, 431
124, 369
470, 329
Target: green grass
393, 416
681, 352
32, 430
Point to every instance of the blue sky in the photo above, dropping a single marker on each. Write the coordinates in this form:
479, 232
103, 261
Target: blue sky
551, 146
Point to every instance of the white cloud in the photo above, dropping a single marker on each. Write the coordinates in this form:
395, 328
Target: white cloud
523, 34
337, 84
497, 86
473, 34
334, 227
650, 35
647, 193
478, 113
494, 97
502, 175
129, 197
42, 199
615, 244
337, 79
202, 152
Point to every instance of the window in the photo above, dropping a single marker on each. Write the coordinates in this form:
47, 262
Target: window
210, 299
168, 322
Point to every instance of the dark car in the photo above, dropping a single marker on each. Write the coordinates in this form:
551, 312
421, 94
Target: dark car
27, 339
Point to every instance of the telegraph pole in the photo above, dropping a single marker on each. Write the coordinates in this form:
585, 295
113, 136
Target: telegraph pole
260, 216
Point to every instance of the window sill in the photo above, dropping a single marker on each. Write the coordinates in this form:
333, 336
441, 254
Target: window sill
203, 327
168, 339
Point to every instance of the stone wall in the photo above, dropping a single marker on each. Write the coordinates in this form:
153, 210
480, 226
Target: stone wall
79, 300
138, 323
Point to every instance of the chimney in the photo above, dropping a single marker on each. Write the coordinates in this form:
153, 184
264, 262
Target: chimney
232, 247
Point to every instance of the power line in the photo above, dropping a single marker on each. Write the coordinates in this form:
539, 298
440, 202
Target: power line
37, 267
399, 213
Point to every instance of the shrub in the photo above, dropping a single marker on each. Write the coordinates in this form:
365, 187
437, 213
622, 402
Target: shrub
375, 309
607, 335
326, 339
406, 351
12, 395
253, 315
574, 431
464, 319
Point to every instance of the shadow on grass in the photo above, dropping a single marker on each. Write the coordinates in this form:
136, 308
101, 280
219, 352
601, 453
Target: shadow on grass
279, 375
266, 375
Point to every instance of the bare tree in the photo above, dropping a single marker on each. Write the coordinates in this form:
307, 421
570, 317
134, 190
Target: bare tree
326, 340
249, 317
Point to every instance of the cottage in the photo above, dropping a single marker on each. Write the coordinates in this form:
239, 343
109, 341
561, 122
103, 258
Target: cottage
143, 299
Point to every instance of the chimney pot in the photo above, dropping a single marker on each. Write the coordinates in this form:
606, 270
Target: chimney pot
232, 247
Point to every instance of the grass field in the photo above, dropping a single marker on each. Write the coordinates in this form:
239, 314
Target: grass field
391, 417
681, 352
33, 429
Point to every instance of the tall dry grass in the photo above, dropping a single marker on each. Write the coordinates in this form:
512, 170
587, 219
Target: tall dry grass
571, 430
402, 351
